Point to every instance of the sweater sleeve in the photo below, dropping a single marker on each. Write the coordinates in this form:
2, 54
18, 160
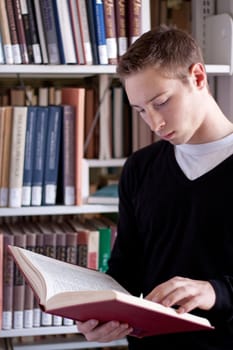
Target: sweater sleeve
125, 261
222, 311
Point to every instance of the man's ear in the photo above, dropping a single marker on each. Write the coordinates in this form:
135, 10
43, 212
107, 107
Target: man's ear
198, 75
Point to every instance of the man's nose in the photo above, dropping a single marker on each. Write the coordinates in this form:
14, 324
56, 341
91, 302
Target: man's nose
156, 121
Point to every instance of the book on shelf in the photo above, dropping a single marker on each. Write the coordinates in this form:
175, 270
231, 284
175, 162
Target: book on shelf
117, 121
1, 282
104, 241
28, 155
13, 32
105, 119
92, 31
100, 31
110, 29
75, 96
83, 19
49, 25
79, 293
27, 29
77, 32
20, 31
2, 57
39, 155
29, 295
68, 155
49, 241
8, 279
5, 32
19, 123
134, 20
87, 244
2, 122
36, 48
19, 281
122, 40
40, 29
105, 195
64, 30
91, 123
6, 151
52, 153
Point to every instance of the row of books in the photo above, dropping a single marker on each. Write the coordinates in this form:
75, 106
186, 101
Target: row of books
67, 31
85, 242
42, 151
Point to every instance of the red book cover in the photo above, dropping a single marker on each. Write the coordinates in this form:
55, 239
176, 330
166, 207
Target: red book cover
81, 294
75, 96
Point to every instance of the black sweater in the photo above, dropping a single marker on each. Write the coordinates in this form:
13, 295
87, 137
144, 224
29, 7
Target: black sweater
172, 226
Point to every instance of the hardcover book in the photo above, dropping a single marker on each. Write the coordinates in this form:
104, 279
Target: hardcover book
82, 294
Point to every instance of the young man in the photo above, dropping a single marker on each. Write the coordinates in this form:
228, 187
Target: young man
175, 232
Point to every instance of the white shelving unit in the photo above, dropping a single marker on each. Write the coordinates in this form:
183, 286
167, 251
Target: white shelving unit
75, 71
72, 72
75, 342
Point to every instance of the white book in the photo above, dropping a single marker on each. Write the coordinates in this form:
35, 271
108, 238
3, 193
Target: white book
64, 21
17, 156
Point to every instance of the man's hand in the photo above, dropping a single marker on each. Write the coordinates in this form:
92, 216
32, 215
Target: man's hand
185, 293
105, 332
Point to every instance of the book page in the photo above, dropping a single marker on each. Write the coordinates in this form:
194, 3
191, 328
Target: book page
62, 277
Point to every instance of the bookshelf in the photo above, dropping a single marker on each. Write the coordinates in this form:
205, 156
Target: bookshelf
33, 71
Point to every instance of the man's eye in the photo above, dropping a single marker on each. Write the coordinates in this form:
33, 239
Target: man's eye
160, 103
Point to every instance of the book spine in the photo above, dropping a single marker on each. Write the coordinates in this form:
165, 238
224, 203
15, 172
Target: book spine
2, 127
20, 31
93, 250
110, 26
17, 156
41, 33
50, 31
2, 57
71, 257
36, 50
92, 31
104, 247
77, 33
28, 156
39, 155
40, 250
52, 154
6, 151
27, 29
1, 271
13, 32
135, 19
122, 41
19, 287
8, 280
64, 26
29, 295
68, 154
82, 13
60, 255
82, 244
6, 36
100, 31
49, 250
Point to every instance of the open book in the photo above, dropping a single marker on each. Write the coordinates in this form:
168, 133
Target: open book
79, 293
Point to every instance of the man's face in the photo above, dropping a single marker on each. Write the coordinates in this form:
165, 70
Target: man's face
171, 108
